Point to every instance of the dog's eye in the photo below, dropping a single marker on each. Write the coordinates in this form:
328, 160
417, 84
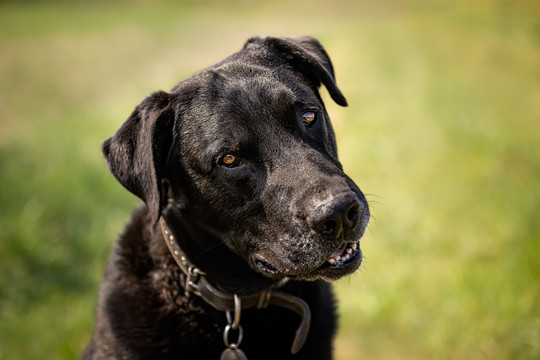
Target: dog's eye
230, 161
309, 117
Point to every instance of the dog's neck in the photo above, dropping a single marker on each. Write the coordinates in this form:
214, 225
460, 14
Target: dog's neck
227, 300
196, 280
224, 269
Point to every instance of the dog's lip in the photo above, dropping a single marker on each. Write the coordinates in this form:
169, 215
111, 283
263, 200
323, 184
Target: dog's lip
265, 266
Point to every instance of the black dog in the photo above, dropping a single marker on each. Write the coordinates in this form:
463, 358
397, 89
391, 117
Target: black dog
247, 212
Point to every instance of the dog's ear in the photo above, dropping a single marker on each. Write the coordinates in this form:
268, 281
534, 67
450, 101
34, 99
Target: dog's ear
136, 154
307, 55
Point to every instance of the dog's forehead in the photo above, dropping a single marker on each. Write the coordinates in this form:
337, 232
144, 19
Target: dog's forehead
251, 87
236, 95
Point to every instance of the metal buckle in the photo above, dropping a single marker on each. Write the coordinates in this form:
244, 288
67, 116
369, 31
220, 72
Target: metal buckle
192, 281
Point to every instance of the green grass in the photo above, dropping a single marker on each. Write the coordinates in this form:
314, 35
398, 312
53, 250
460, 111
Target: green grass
442, 132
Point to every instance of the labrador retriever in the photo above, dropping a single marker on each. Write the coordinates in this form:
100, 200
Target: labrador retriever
246, 214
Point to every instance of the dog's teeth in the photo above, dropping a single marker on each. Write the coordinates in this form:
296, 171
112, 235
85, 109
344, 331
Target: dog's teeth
349, 250
332, 261
354, 246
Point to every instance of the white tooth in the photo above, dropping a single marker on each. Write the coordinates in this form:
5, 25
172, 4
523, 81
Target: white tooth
338, 258
345, 258
349, 250
354, 246
332, 261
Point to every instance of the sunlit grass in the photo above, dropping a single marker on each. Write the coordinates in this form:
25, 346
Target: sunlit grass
442, 132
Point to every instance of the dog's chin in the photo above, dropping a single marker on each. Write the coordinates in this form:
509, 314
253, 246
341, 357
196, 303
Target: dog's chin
344, 261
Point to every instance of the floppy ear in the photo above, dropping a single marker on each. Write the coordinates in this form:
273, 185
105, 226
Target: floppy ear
137, 152
306, 54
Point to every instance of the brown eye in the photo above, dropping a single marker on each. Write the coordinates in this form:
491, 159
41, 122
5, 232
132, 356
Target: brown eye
230, 160
308, 118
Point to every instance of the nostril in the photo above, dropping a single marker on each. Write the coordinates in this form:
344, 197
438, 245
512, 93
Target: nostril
353, 214
329, 227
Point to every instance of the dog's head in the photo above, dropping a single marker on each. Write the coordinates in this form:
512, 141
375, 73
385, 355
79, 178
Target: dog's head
245, 150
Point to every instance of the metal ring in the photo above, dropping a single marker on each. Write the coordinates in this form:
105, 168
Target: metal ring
226, 336
237, 312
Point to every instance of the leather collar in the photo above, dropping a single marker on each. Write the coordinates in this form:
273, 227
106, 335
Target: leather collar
197, 284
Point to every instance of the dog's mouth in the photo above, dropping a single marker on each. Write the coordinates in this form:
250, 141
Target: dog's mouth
343, 261
347, 254
266, 267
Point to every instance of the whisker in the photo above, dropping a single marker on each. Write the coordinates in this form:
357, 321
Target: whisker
211, 248
375, 195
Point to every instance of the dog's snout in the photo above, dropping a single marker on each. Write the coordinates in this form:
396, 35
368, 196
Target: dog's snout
336, 215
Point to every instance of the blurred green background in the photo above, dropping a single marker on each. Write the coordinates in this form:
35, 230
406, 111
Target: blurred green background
442, 132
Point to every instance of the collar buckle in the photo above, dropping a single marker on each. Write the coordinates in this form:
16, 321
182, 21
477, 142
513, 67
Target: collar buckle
192, 281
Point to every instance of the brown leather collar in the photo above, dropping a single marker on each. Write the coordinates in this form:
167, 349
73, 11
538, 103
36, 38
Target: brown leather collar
197, 284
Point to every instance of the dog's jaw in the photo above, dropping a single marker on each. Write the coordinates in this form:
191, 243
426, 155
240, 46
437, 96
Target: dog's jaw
342, 262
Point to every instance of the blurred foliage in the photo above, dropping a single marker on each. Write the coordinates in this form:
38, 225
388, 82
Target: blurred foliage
442, 132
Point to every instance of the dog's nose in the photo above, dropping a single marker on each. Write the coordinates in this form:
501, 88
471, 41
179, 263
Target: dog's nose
336, 215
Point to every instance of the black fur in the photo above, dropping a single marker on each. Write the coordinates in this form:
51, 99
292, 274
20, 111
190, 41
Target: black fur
280, 211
